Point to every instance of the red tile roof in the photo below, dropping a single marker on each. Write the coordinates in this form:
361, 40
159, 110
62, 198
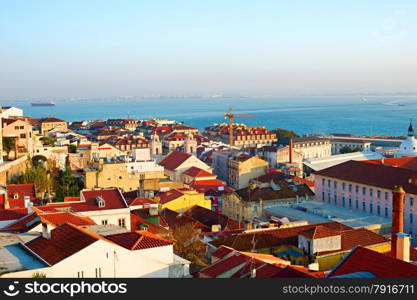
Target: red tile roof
156, 229
224, 265
141, 201
319, 232
23, 224
402, 162
12, 214
71, 199
59, 218
20, 190
299, 272
382, 266
173, 160
174, 219
268, 271
197, 172
112, 197
65, 241
271, 237
138, 240
170, 195
222, 251
364, 172
354, 237
209, 218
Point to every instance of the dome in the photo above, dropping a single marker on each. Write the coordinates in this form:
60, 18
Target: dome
408, 147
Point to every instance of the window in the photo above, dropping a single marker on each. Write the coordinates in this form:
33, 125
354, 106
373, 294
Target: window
329, 197
411, 218
328, 183
22, 135
322, 196
350, 188
378, 194
335, 198
371, 192
255, 209
122, 222
386, 212
356, 189
350, 202
378, 210
343, 201
343, 185
335, 184
371, 208
386, 195
411, 201
357, 204
363, 206
104, 222
364, 191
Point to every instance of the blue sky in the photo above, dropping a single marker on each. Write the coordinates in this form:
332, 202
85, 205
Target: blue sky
94, 48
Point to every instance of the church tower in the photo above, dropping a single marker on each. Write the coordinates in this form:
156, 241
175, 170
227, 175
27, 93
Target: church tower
156, 145
190, 144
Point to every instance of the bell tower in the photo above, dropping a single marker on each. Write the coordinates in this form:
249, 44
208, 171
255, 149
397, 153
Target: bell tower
156, 145
190, 144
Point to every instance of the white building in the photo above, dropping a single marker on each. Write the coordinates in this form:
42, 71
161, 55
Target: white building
70, 251
11, 111
409, 146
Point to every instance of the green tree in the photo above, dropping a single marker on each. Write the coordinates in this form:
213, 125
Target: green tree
9, 144
66, 184
47, 141
284, 134
38, 176
39, 161
347, 149
72, 148
188, 245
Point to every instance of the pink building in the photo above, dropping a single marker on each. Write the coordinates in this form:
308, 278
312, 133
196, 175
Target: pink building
366, 186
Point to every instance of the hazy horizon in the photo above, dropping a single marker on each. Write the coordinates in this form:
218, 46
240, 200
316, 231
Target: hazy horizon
91, 49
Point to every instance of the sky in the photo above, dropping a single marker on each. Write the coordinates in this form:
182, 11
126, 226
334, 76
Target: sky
101, 48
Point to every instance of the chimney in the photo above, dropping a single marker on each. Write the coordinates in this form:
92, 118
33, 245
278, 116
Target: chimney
403, 247
290, 151
45, 231
397, 217
27, 202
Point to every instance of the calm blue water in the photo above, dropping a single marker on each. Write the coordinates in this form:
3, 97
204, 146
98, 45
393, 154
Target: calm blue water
379, 115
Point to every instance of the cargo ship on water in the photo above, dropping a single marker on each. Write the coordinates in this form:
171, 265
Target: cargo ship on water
50, 103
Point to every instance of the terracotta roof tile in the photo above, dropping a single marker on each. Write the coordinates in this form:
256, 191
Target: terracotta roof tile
138, 240
20, 191
370, 173
65, 241
380, 265
174, 160
197, 172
